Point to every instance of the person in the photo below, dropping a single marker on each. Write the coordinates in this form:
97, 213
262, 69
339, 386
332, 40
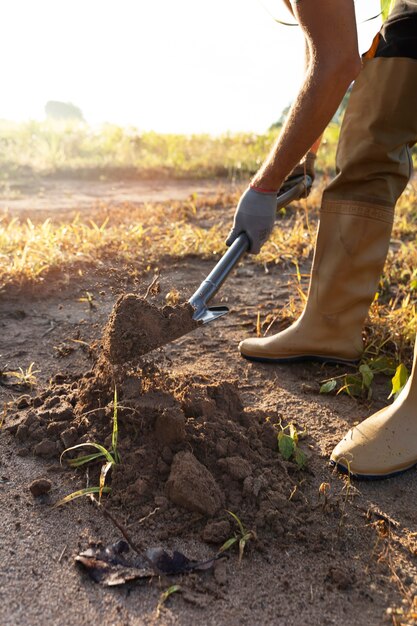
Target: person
356, 216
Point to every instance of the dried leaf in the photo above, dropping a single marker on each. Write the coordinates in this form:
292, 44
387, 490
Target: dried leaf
113, 565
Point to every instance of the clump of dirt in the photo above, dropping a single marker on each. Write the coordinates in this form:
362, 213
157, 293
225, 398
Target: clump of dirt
137, 326
189, 449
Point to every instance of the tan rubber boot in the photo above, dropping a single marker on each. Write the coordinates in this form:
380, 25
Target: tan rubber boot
385, 444
349, 257
374, 165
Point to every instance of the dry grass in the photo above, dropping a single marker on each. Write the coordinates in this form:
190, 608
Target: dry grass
30, 251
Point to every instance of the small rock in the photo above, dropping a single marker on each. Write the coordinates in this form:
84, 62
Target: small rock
192, 486
40, 486
216, 532
45, 448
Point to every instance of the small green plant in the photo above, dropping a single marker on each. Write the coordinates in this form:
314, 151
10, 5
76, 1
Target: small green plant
241, 537
164, 597
111, 458
24, 378
90, 299
288, 438
359, 384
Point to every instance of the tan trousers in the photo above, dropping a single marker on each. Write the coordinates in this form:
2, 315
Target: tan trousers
380, 125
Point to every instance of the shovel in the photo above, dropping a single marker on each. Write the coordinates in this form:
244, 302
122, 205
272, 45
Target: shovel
136, 326
210, 286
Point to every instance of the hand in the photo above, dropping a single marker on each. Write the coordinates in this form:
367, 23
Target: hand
255, 216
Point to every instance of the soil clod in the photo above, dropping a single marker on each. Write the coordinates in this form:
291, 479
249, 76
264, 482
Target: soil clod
40, 486
192, 486
136, 327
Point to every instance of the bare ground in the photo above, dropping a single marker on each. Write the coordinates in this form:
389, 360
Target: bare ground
345, 561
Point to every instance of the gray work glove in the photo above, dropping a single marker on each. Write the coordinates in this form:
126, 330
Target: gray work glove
255, 216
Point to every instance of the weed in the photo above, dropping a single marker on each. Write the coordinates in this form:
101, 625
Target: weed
288, 445
23, 378
359, 384
164, 597
241, 537
90, 299
111, 458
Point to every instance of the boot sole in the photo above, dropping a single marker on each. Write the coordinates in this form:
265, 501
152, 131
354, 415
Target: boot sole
370, 477
310, 358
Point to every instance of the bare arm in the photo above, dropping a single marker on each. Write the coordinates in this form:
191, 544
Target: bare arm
329, 27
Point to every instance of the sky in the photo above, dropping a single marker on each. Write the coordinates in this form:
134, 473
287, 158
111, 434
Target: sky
181, 66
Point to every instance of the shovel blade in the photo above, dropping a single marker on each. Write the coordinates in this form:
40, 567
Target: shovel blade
209, 314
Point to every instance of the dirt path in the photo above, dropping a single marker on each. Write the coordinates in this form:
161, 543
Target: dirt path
68, 195
346, 561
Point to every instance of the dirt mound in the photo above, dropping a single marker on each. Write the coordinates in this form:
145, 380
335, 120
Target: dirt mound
189, 448
136, 326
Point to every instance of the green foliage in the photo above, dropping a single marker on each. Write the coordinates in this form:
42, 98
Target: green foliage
164, 597
23, 378
386, 6
328, 386
288, 445
241, 537
87, 491
74, 148
359, 384
111, 458
399, 380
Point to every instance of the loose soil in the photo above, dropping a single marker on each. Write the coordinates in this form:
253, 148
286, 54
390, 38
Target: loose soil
137, 326
197, 437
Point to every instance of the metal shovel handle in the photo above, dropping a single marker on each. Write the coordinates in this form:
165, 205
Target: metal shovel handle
218, 274
232, 256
